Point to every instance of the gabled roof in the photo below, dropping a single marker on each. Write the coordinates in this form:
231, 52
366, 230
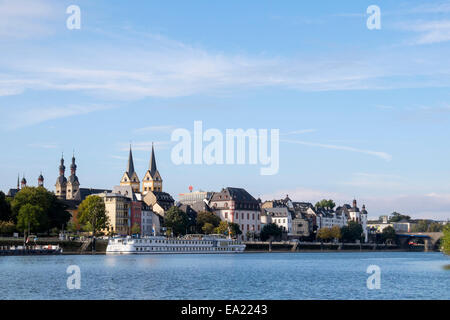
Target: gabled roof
236, 194
83, 193
12, 192
126, 191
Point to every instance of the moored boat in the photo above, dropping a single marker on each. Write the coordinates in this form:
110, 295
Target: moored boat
187, 244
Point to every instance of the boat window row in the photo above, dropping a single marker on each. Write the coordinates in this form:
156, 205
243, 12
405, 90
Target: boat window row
181, 249
174, 241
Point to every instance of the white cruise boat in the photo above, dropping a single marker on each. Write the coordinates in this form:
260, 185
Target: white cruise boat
188, 244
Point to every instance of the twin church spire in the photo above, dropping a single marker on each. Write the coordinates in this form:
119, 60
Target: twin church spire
152, 179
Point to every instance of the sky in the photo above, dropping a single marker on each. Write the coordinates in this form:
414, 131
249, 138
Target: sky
361, 113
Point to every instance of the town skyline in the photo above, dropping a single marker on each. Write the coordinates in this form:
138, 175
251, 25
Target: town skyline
42, 179
361, 113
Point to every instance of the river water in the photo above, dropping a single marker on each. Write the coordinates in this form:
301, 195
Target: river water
261, 276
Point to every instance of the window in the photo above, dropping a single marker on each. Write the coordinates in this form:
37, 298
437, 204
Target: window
226, 215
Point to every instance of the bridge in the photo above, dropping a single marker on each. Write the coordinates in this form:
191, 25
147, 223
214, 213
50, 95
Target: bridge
430, 238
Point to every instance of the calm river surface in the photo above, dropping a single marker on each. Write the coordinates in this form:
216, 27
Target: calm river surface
261, 276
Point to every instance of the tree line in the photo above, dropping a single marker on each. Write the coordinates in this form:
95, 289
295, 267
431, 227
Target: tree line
33, 209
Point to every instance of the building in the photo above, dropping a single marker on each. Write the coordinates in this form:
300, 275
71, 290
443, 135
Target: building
118, 210
159, 201
238, 206
300, 228
279, 216
152, 179
130, 178
151, 222
352, 213
193, 197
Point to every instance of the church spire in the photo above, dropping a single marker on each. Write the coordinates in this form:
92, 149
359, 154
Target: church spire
152, 162
130, 167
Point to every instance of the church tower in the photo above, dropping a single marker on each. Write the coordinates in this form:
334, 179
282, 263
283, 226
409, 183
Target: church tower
41, 180
72, 184
130, 177
152, 179
23, 183
61, 181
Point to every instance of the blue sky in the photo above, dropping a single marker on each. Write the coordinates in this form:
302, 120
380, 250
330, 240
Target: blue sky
362, 113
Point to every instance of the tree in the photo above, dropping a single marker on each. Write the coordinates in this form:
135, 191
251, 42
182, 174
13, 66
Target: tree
208, 228
335, 232
204, 217
326, 204
226, 227
29, 217
55, 214
5, 208
177, 220
435, 227
427, 226
271, 231
396, 217
446, 239
388, 234
136, 229
324, 234
92, 214
7, 227
351, 232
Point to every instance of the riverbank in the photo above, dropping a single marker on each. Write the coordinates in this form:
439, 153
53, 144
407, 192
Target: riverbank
287, 246
82, 247
68, 246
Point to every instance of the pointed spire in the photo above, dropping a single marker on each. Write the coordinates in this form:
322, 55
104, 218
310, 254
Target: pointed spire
73, 166
18, 181
152, 162
130, 167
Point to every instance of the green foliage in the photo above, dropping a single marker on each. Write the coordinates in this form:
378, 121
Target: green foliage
177, 220
204, 217
5, 208
92, 214
396, 217
335, 232
388, 234
55, 214
29, 217
7, 227
351, 232
136, 229
208, 228
226, 227
271, 231
324, 234
446, 239
427, 226
326, 204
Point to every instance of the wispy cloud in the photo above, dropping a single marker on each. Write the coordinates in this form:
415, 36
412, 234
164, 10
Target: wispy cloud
301, 131
429, 32
166, 128
44, 145
377, 181
379, 154
26, 18
32, 116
